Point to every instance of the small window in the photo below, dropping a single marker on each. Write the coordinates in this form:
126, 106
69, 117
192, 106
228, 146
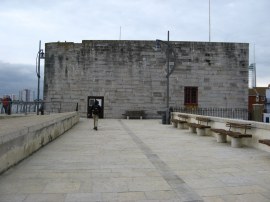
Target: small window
191, 96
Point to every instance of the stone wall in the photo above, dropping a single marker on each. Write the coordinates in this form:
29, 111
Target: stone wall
131, 74
21, 142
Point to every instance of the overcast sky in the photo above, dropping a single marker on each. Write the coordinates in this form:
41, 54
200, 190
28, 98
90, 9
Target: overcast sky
24, 22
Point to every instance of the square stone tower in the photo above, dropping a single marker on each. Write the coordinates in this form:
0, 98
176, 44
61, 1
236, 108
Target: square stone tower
131, 75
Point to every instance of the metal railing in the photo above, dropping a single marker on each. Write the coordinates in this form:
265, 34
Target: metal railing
234, 113
21, 107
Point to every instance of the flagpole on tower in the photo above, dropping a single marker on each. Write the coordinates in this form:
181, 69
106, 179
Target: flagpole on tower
120, 33
209, 20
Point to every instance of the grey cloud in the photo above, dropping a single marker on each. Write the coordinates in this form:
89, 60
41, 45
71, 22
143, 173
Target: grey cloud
15, 77
76, 20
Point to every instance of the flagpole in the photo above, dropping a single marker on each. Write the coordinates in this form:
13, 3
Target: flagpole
209, 20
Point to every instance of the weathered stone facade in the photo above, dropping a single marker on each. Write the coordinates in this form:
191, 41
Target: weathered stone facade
131, 74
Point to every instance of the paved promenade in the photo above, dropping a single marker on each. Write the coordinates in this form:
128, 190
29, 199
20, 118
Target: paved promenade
138, 160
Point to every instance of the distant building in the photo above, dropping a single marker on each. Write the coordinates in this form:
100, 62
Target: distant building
13, 97
267, 100
266, 115
26, 95
256, 98
130, 75
252, 75
259, 99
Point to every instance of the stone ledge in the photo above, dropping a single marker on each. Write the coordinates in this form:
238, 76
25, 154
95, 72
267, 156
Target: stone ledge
28, 137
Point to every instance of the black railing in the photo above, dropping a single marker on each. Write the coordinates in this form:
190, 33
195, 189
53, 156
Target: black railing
234, 113
20, 107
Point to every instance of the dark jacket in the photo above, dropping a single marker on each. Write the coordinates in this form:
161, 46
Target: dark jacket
96, 109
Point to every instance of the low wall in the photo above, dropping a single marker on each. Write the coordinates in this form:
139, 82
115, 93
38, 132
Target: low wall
34, 133
259, 130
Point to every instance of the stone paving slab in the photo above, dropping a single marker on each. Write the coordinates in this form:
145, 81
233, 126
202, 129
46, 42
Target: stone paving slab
138, 160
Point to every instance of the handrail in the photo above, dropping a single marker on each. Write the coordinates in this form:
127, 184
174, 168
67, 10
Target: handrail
21, 107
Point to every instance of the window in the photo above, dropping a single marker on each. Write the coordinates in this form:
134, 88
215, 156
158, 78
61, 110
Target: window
191, 96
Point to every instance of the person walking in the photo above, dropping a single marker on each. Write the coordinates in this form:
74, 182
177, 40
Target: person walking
9, 107
96, 110
5, 104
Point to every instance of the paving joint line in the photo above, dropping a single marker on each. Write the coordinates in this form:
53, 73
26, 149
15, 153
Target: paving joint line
176, 183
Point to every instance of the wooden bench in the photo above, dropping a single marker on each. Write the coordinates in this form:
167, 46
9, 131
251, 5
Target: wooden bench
221, 135
202, 126
182, 123
199, 127
177, 123
236, 136
174, 122
265, 141
238, 125
136, 114
192, 127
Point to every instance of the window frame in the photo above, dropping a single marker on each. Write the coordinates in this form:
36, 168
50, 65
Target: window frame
191, 96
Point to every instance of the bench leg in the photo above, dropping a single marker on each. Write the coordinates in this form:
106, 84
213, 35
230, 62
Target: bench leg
180, 126
221, 138
236, 142
207, 131
192, 129
175, 124
127, 117
141, 117
200, 131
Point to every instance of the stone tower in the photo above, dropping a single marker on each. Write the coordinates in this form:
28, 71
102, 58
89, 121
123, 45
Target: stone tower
129, 75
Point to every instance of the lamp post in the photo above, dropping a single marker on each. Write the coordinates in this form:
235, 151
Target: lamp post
169, 71
40, 55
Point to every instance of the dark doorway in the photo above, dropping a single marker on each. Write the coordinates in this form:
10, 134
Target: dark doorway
91, 101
